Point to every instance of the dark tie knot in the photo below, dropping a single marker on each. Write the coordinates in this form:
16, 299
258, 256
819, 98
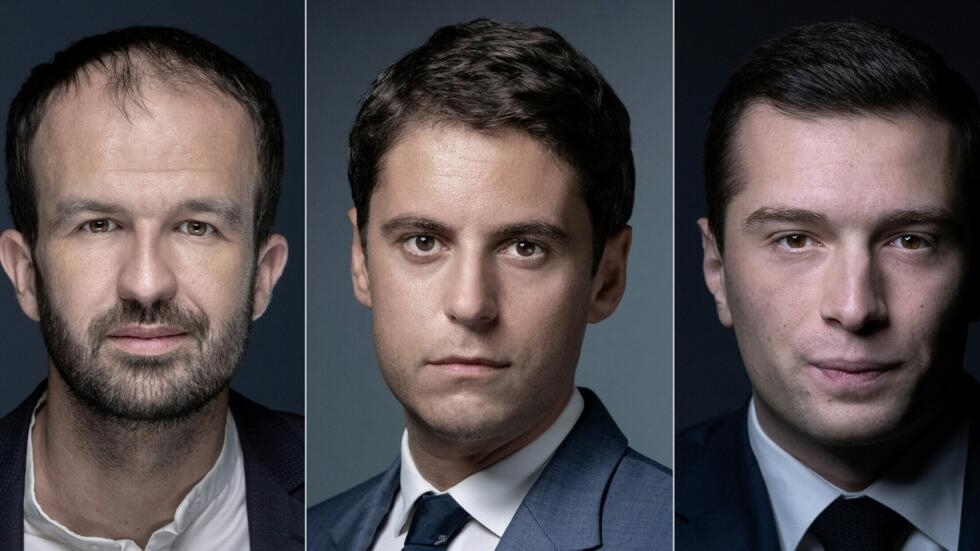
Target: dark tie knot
436, 521
859, 524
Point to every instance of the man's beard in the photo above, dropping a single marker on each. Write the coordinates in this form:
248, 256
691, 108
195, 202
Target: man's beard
163, 388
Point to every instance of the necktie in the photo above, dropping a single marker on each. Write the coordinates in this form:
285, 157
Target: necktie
437, 520
860, 524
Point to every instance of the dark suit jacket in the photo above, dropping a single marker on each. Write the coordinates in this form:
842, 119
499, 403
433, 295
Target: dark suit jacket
722, 501
272, 447
594, 493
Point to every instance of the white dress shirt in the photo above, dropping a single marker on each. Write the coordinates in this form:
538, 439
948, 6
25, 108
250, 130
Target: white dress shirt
491, 496
211, 516
931, 501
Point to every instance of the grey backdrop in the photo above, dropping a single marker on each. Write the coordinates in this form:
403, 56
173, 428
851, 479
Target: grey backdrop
712, 37
354, 424
269, 38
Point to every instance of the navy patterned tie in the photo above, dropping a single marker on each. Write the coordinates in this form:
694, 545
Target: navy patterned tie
437, 520
860, 524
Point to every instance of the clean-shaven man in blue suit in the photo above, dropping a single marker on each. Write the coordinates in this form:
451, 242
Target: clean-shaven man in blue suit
841, 245
143, 167
493, 179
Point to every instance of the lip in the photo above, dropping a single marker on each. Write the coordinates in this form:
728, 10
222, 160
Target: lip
853, 372
471, 365
147, 340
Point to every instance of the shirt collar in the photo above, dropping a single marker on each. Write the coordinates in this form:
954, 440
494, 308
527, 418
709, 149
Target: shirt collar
190, 508
493, 495
798, 494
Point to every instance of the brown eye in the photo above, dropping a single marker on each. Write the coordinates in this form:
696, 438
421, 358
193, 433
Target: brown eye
795, 241
102, 225
525, 248
911, 242
196, 228
424, 243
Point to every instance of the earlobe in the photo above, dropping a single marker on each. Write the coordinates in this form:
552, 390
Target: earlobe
271, 262
609, 282
18, 262
714, 272
358, 263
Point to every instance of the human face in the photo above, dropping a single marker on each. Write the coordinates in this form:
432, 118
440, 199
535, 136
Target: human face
143, 270
477, 268
844, 272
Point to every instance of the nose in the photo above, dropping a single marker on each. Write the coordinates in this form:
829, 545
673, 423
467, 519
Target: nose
853, 293
471, 292
147, 276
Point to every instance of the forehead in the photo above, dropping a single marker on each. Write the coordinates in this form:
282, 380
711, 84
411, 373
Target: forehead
857, 165
94, 138
478, 175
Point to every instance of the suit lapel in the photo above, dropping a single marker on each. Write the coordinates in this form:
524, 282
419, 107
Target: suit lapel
355, 529
722, 501
13, 462
969, 526
563, 510
273, 454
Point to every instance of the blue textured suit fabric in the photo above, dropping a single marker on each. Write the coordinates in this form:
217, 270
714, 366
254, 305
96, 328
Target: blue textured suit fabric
272, 449
722, 501
595, 493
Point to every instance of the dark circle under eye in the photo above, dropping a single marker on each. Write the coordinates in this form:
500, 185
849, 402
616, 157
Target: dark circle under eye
525, 248
197, 228
424, 243
795, 241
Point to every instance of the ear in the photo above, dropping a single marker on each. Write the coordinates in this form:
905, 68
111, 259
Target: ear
19, 265
609, 281
714, 272
358, 263
271, 262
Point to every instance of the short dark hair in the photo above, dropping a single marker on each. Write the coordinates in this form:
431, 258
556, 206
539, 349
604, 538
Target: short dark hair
838, 68
487, 76
129, 55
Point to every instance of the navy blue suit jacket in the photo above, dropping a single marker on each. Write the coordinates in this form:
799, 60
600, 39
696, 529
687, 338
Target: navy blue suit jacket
272, 447
722, 501
595, 493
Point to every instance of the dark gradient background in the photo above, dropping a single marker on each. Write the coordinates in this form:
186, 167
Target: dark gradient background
354, 423
269, 38
712, 37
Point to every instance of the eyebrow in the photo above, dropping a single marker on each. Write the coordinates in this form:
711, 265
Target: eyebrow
507, 231
767, 215
904, 217
228, 211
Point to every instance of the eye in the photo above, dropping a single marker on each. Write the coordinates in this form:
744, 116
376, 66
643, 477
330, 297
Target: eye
195, 228
795, 241
910, 241
101, 225
421, 245
525, 249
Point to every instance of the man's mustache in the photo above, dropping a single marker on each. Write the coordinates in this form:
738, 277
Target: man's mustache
165, 313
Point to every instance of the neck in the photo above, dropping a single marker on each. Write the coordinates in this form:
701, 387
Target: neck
116, 478
854, 467
444, 461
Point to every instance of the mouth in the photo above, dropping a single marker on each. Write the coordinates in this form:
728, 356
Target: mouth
468, 365
147, 340
853, 372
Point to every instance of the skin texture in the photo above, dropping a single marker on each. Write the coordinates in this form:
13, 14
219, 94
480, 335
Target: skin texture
477, 269
844, 277
142, 208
